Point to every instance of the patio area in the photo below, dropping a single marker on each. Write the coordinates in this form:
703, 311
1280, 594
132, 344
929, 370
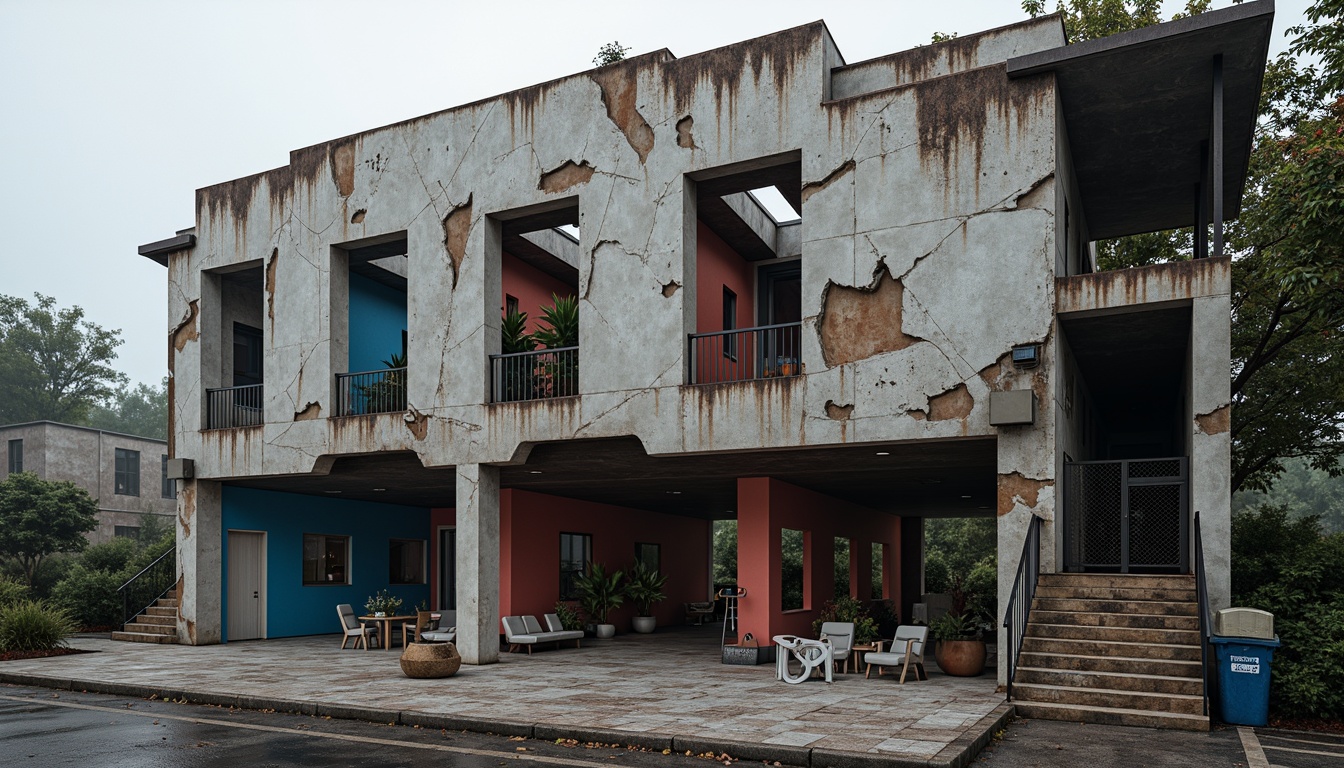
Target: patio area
666, 690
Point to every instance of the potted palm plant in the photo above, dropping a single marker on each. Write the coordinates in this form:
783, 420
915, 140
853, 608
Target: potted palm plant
645, 588
960, 651
558, 373
599, 592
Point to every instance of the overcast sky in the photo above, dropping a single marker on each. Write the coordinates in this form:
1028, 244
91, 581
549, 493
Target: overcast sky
114, 113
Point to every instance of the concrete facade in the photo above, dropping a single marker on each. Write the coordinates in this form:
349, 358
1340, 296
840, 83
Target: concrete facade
87, 458
934, 239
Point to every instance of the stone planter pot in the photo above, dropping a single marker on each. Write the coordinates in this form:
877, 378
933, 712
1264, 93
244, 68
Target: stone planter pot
644, 624
430, 660
605, 631
961, 658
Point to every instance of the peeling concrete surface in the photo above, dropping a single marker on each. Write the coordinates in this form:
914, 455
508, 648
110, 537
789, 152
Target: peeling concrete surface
858, 323
568, 175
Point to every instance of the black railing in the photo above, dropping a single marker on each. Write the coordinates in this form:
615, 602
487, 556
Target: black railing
1022, 596
539, 375
231, 407
147, 586
1202, 594
358, 394
745, 354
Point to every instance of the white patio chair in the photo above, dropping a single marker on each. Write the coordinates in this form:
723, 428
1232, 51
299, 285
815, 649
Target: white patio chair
841, 636
906, 649
354, 628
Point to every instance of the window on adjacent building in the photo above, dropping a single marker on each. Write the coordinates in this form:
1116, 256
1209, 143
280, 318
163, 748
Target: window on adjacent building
15, 456
406, 561
510, 305
650, 555
793, 555
126, 532
127, 473
326, 559
729, 322
576, 550
169, 489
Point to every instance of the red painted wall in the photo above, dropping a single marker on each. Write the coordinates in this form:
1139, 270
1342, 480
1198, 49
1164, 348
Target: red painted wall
765, 506
718, 266
532, 287
439, 517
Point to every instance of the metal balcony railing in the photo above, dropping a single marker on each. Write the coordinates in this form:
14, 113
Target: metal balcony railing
744, 354
360, 394
230, 407
538, 375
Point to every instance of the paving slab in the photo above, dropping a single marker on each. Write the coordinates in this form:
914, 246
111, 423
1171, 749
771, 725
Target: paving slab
649, 690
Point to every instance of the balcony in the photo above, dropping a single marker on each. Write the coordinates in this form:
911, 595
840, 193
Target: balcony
230, 407
369, 392
538, 375
745, 354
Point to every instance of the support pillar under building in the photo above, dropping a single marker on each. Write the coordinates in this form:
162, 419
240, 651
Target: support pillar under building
478, 563
200, 563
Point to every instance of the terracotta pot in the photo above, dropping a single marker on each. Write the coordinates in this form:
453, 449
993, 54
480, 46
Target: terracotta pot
961, 658
427, 660
644, 624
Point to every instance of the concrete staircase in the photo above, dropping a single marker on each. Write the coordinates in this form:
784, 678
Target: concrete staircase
158, 624
1114, 649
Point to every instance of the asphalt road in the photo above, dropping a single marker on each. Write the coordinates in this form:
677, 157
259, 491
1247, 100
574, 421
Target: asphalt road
1055, 744
41, 727
1299, 749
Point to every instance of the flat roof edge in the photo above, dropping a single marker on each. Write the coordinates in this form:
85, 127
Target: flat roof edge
158, 250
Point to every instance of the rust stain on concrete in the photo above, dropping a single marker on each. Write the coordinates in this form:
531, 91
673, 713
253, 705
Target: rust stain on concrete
1177, 280
456, 228
358, 217
724, 69
343, 168
417, 423
1015, 487
953, 112
685, 139
620, 95
837, 411
813, 187
186, 331
955, 403
1215, 422
310, 412
858, 323
270, 287
567, 175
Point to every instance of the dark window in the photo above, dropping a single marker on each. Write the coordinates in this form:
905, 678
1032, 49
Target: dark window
126, 531
729, 322
792, 566
15, 456
576, 550
169, 486
510, 305
325, 559
127, 473
406, 561
650, 555
246, 355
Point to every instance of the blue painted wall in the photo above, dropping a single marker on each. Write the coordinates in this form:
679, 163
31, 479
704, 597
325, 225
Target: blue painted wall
377, 318
293, 609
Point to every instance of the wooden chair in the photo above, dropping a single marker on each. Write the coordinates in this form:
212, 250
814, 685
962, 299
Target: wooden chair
906, 649
353, 627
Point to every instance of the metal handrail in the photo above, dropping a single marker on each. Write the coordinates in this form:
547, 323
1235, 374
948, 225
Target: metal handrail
362, 393
159, 580
538, 374
744, 354
1023, 594
744, 330
231, 407
1202, 594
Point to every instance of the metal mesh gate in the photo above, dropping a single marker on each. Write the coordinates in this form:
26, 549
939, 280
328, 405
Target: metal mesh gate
1127, 515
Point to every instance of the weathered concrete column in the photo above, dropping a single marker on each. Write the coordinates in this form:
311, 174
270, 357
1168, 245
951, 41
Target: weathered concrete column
478, 563
200, 568
1211, 440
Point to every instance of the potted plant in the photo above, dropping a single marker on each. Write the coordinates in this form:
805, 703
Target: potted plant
557, 375
846, 608
599, 592
569, 616
645, 588
382, 604
959, 649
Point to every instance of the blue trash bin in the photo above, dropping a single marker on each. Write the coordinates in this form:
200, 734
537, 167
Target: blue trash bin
1243, 678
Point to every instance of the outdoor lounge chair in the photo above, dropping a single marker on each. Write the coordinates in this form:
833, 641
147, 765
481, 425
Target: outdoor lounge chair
906, 649
698, 612
446, 632
556, 629
353, 627
841, 636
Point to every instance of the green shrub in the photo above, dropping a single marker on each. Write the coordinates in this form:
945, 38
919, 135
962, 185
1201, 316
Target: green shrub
846, 608
148, 554
111, 556
90, 597
11, 591
33, 625
1289, 568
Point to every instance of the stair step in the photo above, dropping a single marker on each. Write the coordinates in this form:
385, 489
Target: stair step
159, 610
1094, 605
1117, 681
1116, 593
152, 629
1111, 648
1111, 716
142, 637
1124, 664
150, 619
1133, 580
1131, 620
166, 602
1113, 634
1110, 698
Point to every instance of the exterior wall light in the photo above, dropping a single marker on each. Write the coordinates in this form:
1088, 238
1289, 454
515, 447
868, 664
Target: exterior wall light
1026, 355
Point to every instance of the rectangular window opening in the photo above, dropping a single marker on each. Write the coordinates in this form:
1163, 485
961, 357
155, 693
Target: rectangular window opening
792, 564
841, 567
169, 489
127, 472
576, 551
650, 555
126, 532
326, 559
879, 591
15, 456
729, 323
406, 561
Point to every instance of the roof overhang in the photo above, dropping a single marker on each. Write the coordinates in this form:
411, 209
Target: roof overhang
1138, 105
158, 251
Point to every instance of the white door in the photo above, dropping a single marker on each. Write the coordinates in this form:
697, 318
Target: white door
247, 596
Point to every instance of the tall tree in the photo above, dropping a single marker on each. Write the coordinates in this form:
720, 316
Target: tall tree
142, 410
54, 364
41, 517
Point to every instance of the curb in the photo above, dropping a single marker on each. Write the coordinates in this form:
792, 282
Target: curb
958, 754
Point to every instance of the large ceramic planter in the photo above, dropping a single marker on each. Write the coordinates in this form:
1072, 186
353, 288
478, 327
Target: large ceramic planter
605, 631
644, 624
961, 658
429, 660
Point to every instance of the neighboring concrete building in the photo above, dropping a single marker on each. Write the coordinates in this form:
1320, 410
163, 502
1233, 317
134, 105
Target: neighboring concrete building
929, 339
125, 474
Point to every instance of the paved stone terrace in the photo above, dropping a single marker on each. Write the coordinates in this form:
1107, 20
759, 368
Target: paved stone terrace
669, 684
